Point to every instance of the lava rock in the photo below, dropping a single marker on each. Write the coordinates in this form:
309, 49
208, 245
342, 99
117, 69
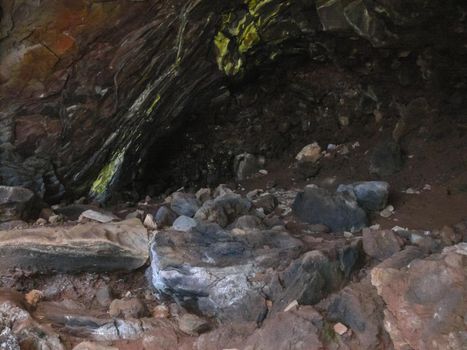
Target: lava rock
86, 247
211, 270
16, 203
127, 308
223, 209
192, 324
386, 159
267, 201
184, 204
370, 195
19, 327
425, 300
339, 211
164, 217
380, 244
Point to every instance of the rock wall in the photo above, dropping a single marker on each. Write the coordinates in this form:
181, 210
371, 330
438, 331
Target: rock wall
88, 88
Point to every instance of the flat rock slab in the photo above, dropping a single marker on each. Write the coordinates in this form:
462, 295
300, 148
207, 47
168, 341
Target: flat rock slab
90, 247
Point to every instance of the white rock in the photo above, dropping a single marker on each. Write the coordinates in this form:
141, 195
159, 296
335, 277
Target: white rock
149, 222
340, 329
387, 212
263, 172
97, 216
292, 305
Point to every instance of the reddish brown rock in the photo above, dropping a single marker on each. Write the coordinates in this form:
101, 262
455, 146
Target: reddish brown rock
426, 302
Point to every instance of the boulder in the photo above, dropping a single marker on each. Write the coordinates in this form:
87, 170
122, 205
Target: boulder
214, 270
299, 329
16, 203
246, 165
370, 195
18, 330
313, 276
224, 209
164, 217
385, 159
87, 247
184, 223
381, 244
184, 203
339, 211
426, 301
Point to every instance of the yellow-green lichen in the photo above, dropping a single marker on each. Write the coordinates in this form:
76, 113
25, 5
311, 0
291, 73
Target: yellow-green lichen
107, 174
248, 39
240, 33
153, 104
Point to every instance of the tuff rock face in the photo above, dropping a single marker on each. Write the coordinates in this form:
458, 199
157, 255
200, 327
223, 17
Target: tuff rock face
88, 88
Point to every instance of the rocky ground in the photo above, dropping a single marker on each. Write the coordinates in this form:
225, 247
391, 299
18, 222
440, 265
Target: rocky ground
297, 255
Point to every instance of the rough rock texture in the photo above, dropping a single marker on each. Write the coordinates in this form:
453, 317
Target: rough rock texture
426, 301
16, 203
370, 195
87, 247
339, 211
230, 276
89, 90
19, 329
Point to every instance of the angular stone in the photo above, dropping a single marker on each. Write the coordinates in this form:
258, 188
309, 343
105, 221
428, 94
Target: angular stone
380, 244
16, 203
340, 211
184, 204
267, 201
87, 247
192, 324
127, 308
184, 223
164, 217
426, 301
224, 209
304, 324
213, 270
18, 327
98, 216
370, 195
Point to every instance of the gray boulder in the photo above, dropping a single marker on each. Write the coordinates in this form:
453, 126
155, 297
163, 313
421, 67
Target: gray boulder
339, 211
213, 270
184, 203
16, 203
91, 247
381, 244
370, 195
224, 209
164, 217
184, 223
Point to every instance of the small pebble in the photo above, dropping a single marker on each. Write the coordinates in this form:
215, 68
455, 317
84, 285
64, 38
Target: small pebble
340, 329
